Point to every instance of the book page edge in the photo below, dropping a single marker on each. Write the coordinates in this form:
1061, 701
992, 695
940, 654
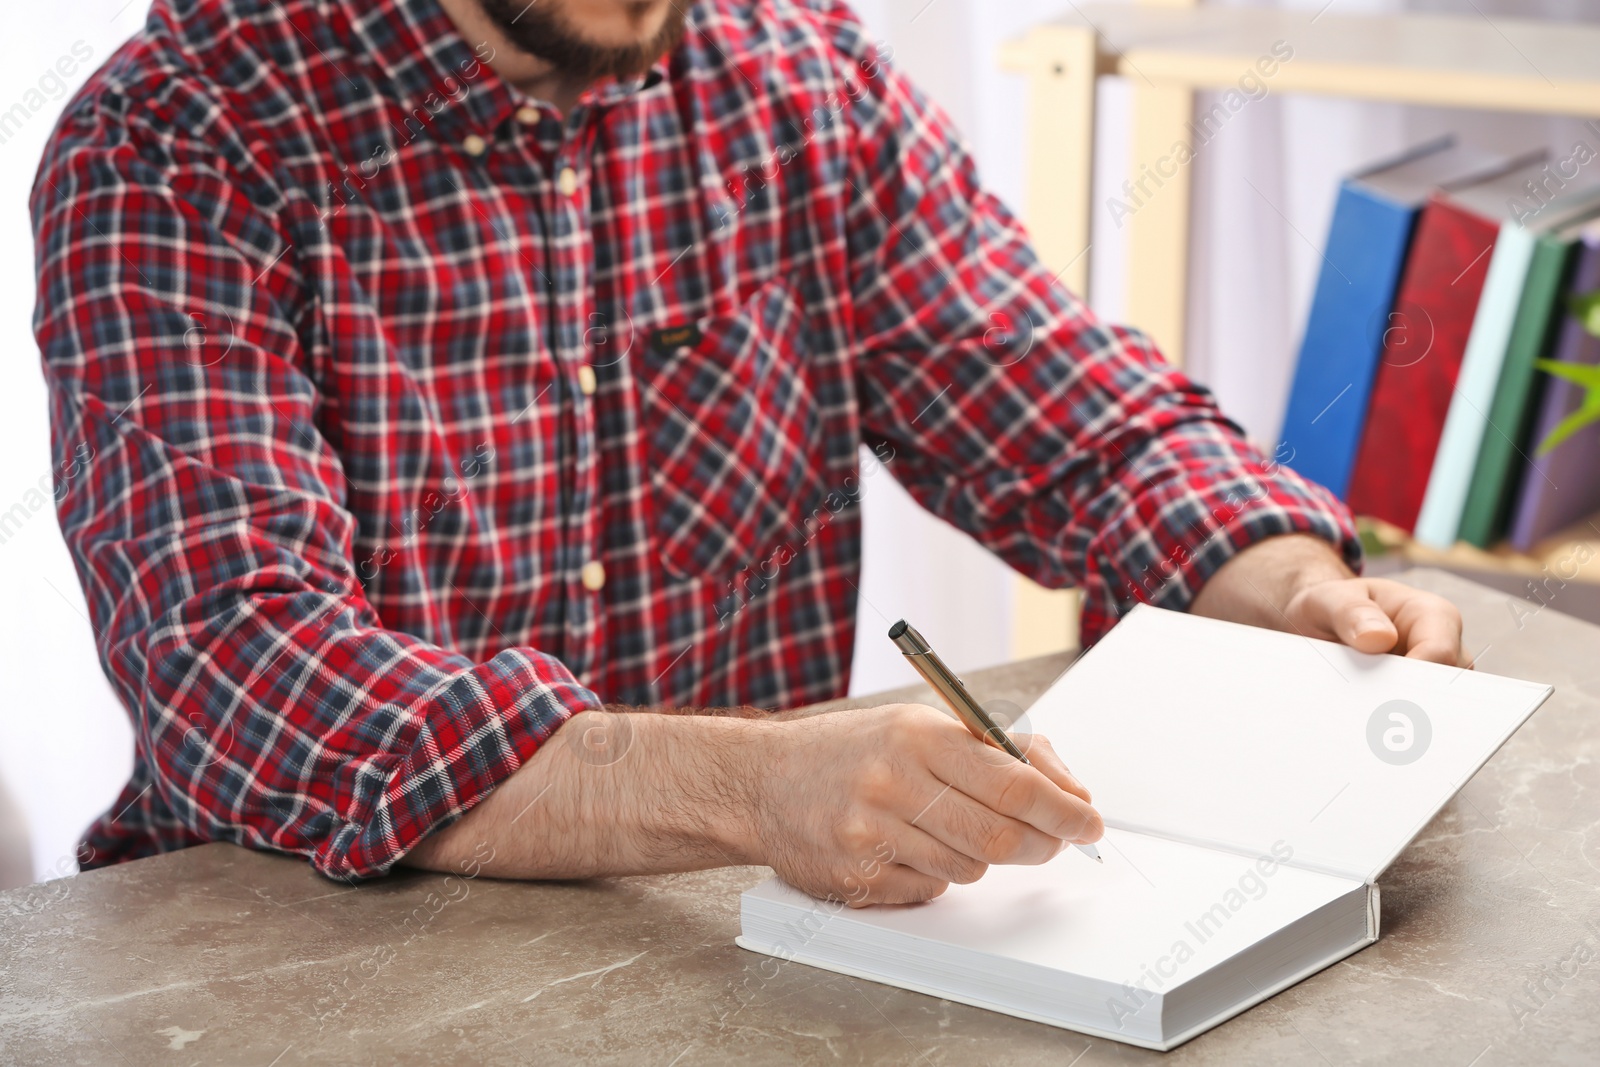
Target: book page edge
1272, 991
1126, 1039
974, 1002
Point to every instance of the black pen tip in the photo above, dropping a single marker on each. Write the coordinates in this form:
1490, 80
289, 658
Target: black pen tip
897, 629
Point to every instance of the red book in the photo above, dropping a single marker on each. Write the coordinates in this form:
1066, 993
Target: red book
1423, 347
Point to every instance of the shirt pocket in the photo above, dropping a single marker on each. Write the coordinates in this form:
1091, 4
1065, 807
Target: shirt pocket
731, 428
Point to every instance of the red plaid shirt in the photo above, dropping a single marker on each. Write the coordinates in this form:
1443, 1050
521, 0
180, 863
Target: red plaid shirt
399, 419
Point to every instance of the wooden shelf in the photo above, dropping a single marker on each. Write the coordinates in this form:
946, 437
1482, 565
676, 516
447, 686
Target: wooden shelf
1169, 52
1169, 49
1573, 555
1501, 64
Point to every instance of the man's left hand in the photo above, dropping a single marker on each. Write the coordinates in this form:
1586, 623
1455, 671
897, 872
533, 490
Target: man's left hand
1298, 583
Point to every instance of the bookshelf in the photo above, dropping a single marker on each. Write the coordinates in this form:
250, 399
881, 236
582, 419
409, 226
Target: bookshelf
1171, 49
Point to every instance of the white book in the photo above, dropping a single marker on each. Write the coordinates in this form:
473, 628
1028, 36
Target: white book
1254, 785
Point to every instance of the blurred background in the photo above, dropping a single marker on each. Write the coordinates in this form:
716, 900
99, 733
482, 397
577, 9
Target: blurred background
65, 743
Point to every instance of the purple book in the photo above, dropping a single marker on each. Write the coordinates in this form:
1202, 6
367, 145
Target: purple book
1563, 488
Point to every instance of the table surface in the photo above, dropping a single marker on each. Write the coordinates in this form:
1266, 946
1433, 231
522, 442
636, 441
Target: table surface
1490, 951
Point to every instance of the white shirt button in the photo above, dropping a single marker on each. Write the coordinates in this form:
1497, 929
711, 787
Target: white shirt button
594, 575
473, 145
567, 181
586, 379
527, 115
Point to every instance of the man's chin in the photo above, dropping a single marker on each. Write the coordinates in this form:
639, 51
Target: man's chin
650, 30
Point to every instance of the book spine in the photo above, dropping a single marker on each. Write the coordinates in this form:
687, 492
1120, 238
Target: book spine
1339, 353
1505, 447
1467, 420
1562, 487
1422, 353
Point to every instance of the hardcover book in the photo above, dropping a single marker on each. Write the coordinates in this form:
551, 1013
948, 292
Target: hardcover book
1425, 344
1507, 446
1366, 248
1254, 789
1483, 366
1563, 487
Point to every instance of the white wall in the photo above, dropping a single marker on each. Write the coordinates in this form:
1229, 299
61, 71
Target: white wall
65, 744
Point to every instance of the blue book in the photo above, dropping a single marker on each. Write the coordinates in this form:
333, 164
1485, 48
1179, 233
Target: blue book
1350, 311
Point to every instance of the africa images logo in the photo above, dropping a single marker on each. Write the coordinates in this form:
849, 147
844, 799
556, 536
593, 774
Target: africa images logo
1399, 732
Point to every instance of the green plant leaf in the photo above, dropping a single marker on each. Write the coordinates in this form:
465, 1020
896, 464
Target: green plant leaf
1588, 412
1585, 307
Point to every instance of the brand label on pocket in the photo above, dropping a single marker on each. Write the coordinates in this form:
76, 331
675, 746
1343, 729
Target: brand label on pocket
664, 341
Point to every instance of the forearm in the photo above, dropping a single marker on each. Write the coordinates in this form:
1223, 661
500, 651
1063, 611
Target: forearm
616, 793
872, 805
746, 712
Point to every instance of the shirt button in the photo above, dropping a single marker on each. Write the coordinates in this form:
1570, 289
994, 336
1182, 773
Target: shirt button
528, 116
567, 181
474, 145
586, 379
594, 575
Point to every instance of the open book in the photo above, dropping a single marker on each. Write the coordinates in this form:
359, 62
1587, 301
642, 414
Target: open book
1254, 785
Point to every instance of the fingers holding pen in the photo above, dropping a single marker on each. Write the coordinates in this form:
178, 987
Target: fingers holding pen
982, 835
1020, 791
1045, 797
1042, 754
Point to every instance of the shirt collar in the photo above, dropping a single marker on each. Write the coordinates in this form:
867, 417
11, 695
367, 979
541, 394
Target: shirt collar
422, 54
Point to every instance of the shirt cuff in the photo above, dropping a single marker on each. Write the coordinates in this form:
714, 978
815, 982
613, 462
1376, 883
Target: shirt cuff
1181, 531
475, 731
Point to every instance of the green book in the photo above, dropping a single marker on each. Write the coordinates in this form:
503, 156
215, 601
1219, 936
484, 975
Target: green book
1486, 514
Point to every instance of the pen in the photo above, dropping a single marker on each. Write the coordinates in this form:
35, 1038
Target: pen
944, 681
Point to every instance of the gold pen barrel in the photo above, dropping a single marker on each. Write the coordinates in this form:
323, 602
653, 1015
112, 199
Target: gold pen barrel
950, 689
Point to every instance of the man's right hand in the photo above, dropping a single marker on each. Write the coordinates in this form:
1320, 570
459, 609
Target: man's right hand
880, 805
891, 804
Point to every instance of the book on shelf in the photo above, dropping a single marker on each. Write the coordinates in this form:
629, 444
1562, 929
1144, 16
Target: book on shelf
1368, 237
1426, 342
1483, 365
1254, 788
1507, 447
1562, 486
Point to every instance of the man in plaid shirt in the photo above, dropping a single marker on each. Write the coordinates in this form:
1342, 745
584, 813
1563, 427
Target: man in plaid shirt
452, 387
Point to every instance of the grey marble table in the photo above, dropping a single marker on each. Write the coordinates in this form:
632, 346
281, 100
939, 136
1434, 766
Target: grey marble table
1490, 951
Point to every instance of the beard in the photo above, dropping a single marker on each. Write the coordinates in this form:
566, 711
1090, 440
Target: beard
542, 29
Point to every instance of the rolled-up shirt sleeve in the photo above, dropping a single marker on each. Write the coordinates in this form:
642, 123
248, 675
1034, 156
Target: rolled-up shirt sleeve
1070, 448
206, 514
